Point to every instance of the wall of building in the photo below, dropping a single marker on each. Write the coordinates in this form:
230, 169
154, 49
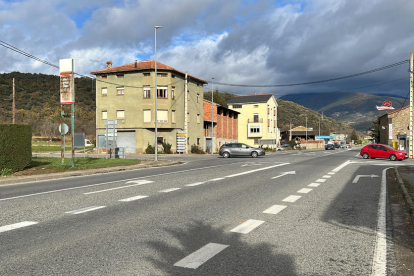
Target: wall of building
400, 121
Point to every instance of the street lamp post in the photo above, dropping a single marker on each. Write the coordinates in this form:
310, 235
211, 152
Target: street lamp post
306, 133
212, 116
156, 96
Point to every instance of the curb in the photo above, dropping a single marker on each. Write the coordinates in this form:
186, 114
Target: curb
32, 178
406, 195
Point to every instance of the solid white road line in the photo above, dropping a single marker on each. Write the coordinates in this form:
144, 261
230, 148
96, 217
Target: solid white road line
340, 167
247, 226
169, 190
314, 184
195, 184
84, 210
261, 169
138, 183
132, 198
379, 263
217, 179
326, 176
320, 180
304, 191
292, 198
199, 257
16, 226
274, 209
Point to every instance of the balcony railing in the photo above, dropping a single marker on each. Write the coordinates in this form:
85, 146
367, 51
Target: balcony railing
255, 120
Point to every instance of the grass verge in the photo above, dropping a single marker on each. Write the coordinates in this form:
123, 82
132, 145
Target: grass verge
44, 165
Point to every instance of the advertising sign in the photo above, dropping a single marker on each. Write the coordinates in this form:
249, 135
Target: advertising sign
386, 105
67, 81
390, 131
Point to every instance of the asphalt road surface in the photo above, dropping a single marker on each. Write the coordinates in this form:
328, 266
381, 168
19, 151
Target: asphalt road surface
287, 213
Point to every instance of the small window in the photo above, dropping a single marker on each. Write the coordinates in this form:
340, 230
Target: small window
173, 76
198, 118
162, 116
237, 106
160, 140
147, 92
120, 114
146, 74
173, 116
120, 91
104, 91
198, 98
120, 76
104, 115
163, 75
147, 116
256, 106
162, 92
198, 141
104, 77
173, 92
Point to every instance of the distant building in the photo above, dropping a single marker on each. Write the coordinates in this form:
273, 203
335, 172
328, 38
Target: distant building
257, 123
297, 133
127, 93
225, 123
394, 127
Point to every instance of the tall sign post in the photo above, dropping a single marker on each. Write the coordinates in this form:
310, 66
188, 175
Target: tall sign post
67, 97
410, 148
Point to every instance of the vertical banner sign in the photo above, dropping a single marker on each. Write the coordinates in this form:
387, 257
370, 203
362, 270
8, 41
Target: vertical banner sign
390, 131
67, 81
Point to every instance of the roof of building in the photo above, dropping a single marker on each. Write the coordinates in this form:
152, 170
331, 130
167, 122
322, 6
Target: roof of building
141, 65
244, 99
397, 110
218, 105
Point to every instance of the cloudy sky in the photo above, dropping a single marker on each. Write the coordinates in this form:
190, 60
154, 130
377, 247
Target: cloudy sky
234, 41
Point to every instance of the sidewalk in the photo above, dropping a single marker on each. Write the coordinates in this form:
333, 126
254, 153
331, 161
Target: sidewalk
29, 178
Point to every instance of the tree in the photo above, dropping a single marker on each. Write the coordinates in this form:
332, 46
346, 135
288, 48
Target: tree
375, 128
354, 136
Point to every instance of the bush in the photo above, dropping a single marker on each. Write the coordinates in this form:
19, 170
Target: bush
196, 149
15, 146
167, 147
150, 149
292, 143
6, 172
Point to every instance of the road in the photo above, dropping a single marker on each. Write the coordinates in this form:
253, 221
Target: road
289, 213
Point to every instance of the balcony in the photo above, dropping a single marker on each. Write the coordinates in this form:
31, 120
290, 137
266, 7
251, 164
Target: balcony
255, 120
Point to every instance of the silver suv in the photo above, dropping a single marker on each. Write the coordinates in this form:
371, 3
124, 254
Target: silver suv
239, 149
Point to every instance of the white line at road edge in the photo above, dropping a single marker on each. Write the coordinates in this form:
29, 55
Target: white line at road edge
199, 257
170, 190
337, 169
16, 226
379, 264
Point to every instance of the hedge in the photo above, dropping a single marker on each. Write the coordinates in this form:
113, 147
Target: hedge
15, 146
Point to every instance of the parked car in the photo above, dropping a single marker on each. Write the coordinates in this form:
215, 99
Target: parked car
240, 149
329, 147
284, 147
382, 151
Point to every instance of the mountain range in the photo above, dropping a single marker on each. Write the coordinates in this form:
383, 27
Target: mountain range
352, 108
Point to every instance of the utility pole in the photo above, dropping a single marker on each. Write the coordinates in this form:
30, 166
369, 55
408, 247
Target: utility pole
14, 104
185, 113
306, 132
410, 151
290, 131
212, 116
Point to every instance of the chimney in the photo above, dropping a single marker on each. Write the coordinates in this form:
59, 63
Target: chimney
108, 64
135, 63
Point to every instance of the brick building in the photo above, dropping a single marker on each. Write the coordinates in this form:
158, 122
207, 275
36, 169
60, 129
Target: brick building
225, 123
394, 127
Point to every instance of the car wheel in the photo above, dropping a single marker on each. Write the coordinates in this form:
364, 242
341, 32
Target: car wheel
254, 154
393, 157
226, 154
365, 155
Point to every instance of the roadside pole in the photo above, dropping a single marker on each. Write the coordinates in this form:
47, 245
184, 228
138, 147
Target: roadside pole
14, 104
410, 151
185, 113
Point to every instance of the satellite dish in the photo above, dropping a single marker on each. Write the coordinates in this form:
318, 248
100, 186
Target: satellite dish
65, 128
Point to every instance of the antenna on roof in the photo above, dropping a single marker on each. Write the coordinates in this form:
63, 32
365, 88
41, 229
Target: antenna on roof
255, 92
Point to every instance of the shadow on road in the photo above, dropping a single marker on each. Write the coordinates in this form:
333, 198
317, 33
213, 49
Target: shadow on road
239, 258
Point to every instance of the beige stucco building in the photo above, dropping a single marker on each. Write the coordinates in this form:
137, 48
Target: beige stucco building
126, 93
257, 121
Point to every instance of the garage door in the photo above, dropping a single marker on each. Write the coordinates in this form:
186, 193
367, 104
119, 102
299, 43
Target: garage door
126, 140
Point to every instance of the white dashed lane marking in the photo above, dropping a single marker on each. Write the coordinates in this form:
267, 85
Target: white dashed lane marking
326, 176
331, 173
199, 257
16, 226
137, 183
314, 184
247, 226
274, 209
321, 180
195, 184
84, 210
304, 191
292, 198
217, 179
169, 190
133, 198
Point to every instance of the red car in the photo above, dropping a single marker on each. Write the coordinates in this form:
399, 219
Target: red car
382, 151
